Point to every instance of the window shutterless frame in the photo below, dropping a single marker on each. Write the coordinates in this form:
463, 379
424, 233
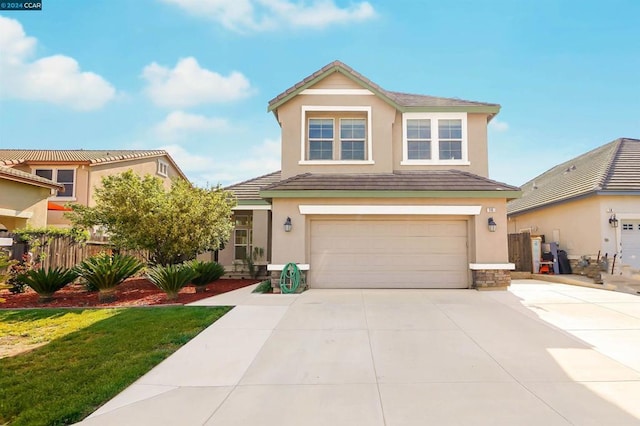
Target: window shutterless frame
307, 113
448, 138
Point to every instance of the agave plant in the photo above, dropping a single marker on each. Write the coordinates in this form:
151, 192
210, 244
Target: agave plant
45, 282
171, 278
207, 272
103, 272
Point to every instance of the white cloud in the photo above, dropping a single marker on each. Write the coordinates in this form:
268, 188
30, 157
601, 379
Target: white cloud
55, 79
205, 169
499, 126
178, 124
262, 15
188, 84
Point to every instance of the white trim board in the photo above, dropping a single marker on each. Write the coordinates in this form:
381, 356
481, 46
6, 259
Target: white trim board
389, 210
277, 267
251, 207
349, 92
491, 266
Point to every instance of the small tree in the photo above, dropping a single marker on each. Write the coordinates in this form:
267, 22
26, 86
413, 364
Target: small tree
174, 225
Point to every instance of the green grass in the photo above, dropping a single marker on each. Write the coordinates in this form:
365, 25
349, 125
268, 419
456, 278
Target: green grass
263, 287
79, 370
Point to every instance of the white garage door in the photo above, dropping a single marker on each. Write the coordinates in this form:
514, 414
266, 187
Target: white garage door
389, 254
631, 243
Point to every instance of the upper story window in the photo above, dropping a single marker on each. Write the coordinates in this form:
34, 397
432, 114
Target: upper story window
434, 138
65, 177
336, 135
163, 168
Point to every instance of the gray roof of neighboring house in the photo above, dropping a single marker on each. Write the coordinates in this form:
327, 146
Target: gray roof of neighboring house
31, 179
250, 189
89, 156
398, 99
433, 180
611, 168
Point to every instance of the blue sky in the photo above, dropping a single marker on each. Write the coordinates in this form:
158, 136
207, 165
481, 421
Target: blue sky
195, 76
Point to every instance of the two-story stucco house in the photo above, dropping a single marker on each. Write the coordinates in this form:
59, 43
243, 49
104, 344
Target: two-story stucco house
380, 189
79, 172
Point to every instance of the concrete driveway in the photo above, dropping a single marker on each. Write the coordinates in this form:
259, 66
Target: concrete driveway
539, 353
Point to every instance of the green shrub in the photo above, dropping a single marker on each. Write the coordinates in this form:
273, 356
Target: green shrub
45, 282
207, 272
103, 272
171, 278
263, 287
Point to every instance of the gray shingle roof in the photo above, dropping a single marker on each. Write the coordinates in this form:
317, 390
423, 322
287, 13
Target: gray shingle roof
614, 167
19, 175
10, 157
250, 189
434, 180
398, 98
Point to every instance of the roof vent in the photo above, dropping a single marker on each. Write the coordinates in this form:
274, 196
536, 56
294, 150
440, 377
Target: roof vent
573, 167
534, 185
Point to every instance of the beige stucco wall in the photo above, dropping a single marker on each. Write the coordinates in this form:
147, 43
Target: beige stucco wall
484, 246
23, 197
582, 225
578, 224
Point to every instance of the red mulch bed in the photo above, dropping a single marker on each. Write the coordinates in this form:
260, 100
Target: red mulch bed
132, 292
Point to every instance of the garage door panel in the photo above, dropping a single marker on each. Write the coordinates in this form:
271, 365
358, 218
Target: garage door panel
630, 243
389, 253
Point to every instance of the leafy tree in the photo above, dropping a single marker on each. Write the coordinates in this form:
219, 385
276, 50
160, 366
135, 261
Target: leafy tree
174, 226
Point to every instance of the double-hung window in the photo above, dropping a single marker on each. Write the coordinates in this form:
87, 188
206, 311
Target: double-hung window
352, 137
321, 139
434, 138
336, 135
65, 177
242, 236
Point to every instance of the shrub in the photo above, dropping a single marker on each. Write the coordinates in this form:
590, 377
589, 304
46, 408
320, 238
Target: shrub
103, 272
207, 272
45, 282
171, 278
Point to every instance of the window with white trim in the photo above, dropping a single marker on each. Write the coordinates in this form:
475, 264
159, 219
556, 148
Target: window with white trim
163, 168
65, 177
320, 139
434, 138
352, 137
336, 134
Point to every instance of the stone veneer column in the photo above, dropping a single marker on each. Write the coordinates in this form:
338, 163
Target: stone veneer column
491, 276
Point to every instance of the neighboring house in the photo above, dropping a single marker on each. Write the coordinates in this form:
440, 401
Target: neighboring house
79, 172
588, 205
383, 189
23, 199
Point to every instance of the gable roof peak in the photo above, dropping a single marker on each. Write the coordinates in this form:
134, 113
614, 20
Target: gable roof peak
399, 100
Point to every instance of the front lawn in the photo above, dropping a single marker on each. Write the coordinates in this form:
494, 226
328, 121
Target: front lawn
92, 355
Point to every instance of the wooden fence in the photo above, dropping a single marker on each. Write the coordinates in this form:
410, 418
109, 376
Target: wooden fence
65, 252
520, 252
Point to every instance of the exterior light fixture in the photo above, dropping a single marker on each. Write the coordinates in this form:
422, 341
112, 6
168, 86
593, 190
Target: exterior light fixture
613, 221
492, 225
287, 225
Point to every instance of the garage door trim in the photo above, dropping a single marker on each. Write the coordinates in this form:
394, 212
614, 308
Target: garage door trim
393, 209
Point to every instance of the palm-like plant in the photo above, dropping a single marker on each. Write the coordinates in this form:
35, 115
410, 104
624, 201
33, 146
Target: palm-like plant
45, 282
171, 278
104, 272
207, 272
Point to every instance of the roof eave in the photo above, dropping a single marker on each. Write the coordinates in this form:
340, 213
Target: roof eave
311, 193
32, 182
